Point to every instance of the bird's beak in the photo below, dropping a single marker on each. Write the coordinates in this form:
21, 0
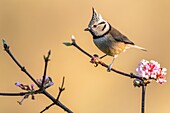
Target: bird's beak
87, 29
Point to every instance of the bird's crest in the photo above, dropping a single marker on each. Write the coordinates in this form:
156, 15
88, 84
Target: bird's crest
95, 17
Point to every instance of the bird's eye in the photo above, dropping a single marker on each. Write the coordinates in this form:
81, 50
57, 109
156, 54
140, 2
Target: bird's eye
101, 23
94, 26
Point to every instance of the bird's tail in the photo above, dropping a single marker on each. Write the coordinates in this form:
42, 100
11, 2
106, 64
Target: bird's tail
137, 47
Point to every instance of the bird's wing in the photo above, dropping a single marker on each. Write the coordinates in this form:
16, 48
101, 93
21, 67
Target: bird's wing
120, 37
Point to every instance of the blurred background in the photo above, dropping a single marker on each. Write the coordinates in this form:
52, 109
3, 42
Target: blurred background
32, 27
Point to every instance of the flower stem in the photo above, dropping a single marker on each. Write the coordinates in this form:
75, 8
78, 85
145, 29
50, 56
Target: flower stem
143, 98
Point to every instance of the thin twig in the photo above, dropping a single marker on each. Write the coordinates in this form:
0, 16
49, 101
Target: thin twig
14, 94
20, 93
103, 56
61, 89
6, 48
57, 102
47, 107
46, 59
78, 47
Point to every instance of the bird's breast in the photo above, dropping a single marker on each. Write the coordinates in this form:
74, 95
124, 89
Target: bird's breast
109, 46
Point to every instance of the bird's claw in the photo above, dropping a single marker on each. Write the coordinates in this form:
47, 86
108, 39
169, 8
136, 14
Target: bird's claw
95, 59
109, 68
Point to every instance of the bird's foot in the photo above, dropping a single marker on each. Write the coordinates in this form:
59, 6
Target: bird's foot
95, 60
103, 56
109, 68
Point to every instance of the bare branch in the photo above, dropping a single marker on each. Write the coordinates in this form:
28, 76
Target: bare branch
131, 75
143, 97
6, 48
46, 59
57, 102
61, 89
20, 93
47, 107
14, 94
78, 47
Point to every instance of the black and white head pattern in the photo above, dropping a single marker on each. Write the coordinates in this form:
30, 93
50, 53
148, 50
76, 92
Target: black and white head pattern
98, 26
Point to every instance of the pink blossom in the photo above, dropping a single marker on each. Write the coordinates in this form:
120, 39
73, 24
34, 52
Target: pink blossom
29, 88
161, 80
18, 84
47, 83
151, 70
161, 76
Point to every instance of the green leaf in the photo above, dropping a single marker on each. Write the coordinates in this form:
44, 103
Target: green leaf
67, 43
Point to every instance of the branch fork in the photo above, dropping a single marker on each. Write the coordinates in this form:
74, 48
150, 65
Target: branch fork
42, 83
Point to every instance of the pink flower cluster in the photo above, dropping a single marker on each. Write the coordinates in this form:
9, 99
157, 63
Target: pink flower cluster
47, 83
151, 70
29, 88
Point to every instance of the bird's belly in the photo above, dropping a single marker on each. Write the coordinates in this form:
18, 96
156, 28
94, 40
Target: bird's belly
109, 47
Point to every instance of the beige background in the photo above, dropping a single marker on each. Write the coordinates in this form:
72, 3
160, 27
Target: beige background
32, 27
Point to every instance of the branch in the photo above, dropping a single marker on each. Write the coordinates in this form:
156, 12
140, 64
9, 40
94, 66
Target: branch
131, 75
61, 89
143, 97
79, 48
57, 102
14, 94
46, 59
20, 93
47, 107
6, 48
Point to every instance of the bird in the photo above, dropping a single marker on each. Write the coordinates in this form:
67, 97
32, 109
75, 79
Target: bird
108, 39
